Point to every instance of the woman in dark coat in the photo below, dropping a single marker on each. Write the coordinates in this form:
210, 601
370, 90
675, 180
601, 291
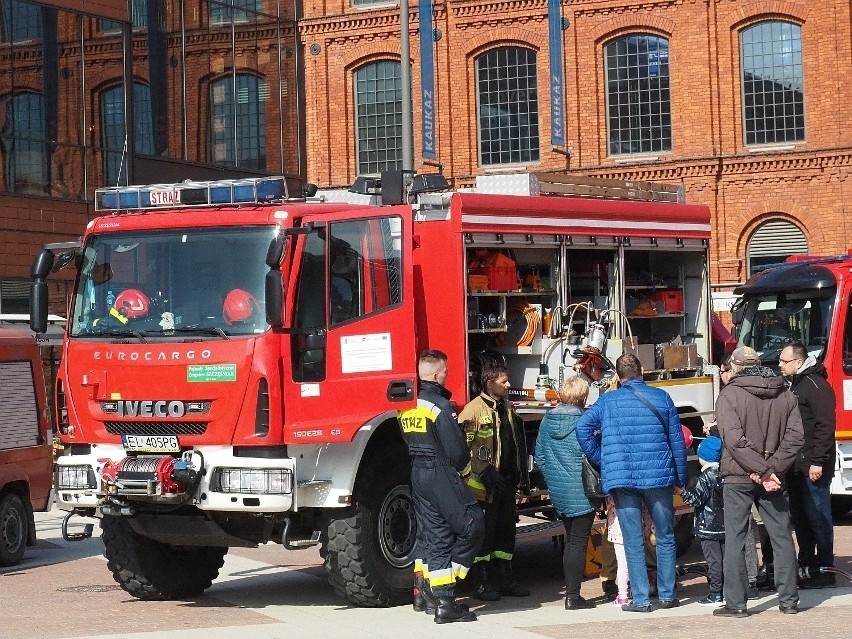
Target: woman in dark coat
558, 456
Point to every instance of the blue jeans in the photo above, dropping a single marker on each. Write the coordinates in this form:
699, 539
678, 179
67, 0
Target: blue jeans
810, 510
660, 504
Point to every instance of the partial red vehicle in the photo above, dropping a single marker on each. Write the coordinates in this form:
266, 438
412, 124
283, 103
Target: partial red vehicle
26, 444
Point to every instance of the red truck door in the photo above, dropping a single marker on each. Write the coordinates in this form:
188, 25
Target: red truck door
350, 316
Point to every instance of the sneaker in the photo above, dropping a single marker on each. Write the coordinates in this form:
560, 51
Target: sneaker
753, 592
669, 603
713, 599
724, 611
620, 601
632, 607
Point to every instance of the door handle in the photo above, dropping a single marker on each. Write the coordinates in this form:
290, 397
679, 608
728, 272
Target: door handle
401, 390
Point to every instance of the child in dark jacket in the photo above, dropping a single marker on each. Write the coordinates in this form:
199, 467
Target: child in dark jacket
706, 498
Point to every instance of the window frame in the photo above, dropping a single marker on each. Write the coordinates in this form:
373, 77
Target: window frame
630, 93
533, 148
27, 143
142, 118
237, 123
395, 117
743, 106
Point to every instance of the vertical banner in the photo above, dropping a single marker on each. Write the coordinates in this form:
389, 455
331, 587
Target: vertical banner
427, 79
557, 81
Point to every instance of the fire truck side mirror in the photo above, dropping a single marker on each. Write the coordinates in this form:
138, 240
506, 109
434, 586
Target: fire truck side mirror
38, 307
274, 297
42, 265
276, 251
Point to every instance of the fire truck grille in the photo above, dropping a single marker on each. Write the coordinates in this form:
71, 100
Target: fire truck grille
156, 428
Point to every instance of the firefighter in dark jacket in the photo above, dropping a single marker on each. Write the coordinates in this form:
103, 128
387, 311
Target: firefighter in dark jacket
498, 456
809, 481
449, 520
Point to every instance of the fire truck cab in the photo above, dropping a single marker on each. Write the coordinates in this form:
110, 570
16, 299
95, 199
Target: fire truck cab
808, 300
236, 356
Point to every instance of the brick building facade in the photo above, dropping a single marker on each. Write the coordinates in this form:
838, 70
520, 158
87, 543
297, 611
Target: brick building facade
759, 124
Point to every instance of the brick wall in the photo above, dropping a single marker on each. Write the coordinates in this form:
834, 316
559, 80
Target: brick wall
805, 183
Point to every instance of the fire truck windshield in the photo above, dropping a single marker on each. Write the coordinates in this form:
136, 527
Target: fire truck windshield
172, 282
772, 320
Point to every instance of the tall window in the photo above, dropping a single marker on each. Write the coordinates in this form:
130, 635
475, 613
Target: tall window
639, 113
236, 11
20, 21
773, 85
773, 242
112, 127
378, 108
24, 144
507, 90
238, 122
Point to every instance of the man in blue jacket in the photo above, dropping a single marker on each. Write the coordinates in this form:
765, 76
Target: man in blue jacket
633, 434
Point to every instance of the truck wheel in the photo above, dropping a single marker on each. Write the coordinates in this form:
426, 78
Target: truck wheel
152, 570
368, 548
14, 530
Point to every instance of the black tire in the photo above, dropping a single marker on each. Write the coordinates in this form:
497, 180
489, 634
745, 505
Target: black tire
840, 505
14, 529
368, 548
152, 570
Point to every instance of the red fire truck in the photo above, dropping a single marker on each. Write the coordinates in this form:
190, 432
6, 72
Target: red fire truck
807, 300
26, 444
235, 357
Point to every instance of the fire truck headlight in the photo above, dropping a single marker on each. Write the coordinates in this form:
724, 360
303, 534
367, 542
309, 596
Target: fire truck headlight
74, 478
252, 481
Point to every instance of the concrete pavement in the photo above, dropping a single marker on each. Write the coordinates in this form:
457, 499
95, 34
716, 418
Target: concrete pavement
64, 591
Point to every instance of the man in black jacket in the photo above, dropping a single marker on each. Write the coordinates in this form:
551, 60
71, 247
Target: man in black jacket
808, 482
451, 521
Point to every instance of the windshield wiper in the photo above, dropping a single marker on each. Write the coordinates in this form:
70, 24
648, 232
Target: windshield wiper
208, 330
140, 335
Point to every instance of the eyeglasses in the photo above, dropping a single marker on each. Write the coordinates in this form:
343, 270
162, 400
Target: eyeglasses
787, 361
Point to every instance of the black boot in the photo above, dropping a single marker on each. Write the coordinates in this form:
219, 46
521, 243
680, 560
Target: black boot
486, 586
424, 600
508, 586
449, 611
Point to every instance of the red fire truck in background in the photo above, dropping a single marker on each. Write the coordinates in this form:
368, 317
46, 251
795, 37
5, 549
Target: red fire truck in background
235, 357
26, 444
807, 299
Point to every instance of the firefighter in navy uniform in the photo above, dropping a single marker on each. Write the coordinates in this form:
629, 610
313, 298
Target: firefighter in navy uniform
449, 520
498, 452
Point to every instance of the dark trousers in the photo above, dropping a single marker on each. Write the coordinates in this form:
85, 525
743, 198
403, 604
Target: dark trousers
577, 530
714, 551
774, 509
501, 517
810, 509
452, 523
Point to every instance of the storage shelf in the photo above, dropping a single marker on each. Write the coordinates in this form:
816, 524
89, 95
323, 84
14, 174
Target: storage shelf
652, 287
538, 293
657, 316
500, 329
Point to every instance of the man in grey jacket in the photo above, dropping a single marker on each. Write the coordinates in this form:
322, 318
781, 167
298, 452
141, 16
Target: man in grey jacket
760, 425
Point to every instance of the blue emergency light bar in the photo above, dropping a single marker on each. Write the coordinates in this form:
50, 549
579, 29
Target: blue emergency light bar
263, 190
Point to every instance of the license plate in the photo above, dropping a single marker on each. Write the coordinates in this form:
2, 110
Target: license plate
150, 443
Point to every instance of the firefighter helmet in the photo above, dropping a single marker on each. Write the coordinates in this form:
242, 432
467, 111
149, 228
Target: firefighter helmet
132, 303
238, 306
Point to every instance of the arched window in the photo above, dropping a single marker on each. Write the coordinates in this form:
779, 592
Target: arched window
238, 122
507, 94
20, 21
24, 144
639, 110
378, 112
773, 84
772, 242
112, 130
